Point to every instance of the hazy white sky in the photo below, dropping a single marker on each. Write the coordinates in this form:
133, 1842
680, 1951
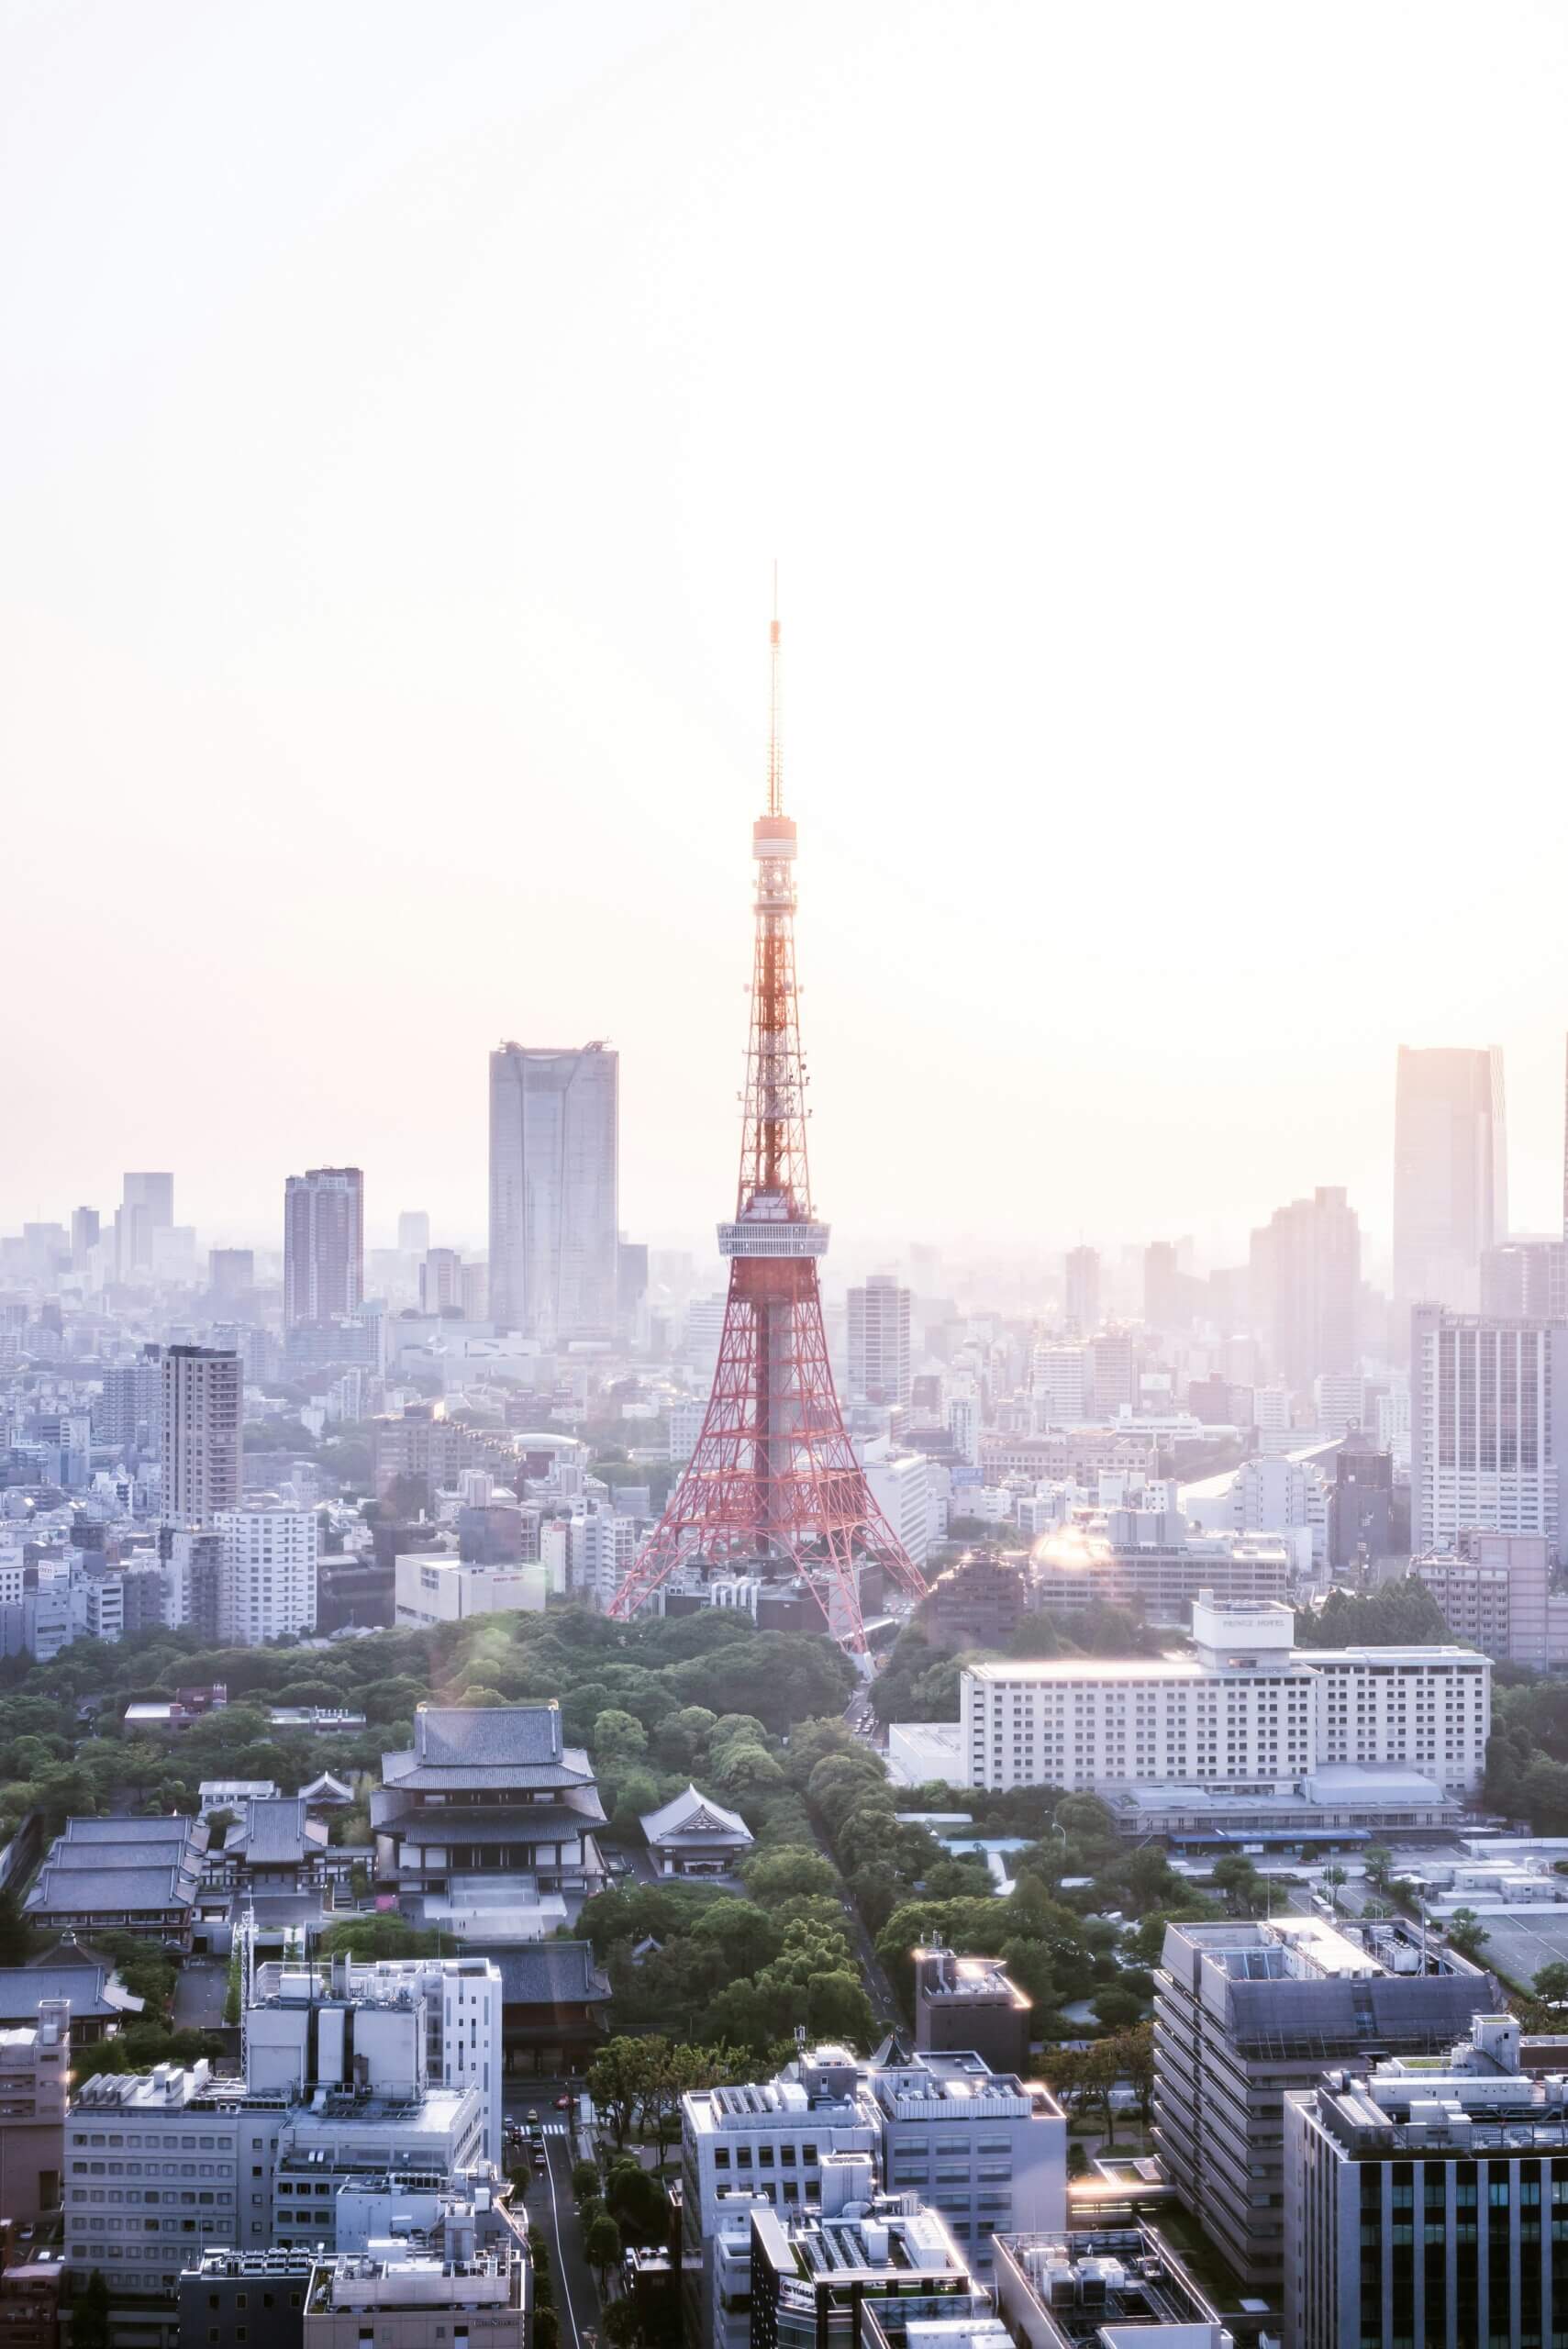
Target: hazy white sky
1157, 412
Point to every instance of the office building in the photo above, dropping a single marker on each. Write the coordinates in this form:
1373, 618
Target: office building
1102, 2288
1525, 1280
439, 2295
389, 2025
1061, 1385
440, 1282
35, 2073
811, 2276
1152, 1561
1488, 1427
1429, 2199
969, 2003
1081, 1291
1245, 2012
267, 1572
1450, 1187
231, 1272
191, 1563
84, 1237
986, 2150
324, 1244
555, 1156
433, 1586
1305, 1283
413, 1233
1361, 1502
199, 1434
880, 1363
245, 2300
1247, 1711
1495, 1592
900, 1482
146, 1208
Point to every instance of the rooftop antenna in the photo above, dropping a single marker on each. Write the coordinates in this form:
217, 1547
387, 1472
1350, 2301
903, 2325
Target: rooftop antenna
775, 748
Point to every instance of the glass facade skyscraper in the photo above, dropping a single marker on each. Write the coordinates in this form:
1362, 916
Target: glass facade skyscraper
554, 1182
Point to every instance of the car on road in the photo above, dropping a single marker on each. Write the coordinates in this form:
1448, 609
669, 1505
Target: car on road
563, 2104
539, 2161
532, 2116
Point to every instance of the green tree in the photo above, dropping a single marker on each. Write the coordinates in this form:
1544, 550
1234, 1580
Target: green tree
617, 1738
379, 1936
1134, 2053
772, 1877
617, 2081
602, 2247
1551, 1982
1234, 1876
585, 2179
1378, 1861
1466, 1933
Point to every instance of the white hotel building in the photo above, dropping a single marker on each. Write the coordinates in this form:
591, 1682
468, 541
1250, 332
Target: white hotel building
1247, 1712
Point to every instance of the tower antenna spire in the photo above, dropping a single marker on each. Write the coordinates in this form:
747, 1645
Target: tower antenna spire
775, 747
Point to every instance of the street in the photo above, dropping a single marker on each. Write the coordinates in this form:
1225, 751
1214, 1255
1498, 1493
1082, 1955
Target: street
552, 2206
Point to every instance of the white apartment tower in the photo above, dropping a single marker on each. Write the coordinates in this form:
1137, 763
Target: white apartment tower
879, 1342
554, 1160
1488, 1427
200, 1433
267, 1570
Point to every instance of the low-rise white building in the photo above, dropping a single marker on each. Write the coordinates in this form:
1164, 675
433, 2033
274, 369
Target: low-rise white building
437, 1587
1246, 1710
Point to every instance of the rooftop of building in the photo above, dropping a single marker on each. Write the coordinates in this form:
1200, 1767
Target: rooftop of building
1471, 2098
243, 2266
91, 1989
1086, 2285
946, 1974
694, 1814
889, 2242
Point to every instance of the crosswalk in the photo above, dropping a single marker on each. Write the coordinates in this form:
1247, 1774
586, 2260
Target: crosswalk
545, 2129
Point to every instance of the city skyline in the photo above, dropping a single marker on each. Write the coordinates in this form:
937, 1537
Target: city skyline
1082, 637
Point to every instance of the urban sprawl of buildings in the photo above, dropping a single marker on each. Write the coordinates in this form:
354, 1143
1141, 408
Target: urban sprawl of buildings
1344, 2108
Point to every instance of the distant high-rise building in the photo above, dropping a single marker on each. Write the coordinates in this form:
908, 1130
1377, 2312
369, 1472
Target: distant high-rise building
1082, 1290
147, 1206
200, 1434
1162, 1301
440, 1281
1488, 1427
1451, 1189
414, 1232
1525, 1280
1305, 1283
231, 1272
324, 1243
130, 1408
554, 1149
85, 1235
879, 1340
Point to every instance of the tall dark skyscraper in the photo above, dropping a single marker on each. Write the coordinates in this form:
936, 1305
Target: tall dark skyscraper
554, 1182
1450, 1181
324, 1243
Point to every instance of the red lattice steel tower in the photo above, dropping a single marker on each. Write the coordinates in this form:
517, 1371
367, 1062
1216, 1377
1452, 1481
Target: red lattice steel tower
773, 1486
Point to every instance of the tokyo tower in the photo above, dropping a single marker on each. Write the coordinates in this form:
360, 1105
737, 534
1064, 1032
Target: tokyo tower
773, 1486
